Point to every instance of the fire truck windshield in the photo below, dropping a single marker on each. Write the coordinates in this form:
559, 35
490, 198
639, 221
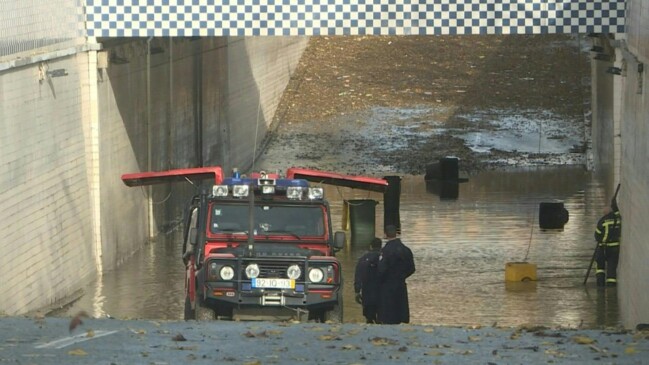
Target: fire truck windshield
297, 220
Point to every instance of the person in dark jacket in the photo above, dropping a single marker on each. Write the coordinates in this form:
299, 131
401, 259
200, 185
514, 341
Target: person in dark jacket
366, 281
607, 234
396, 264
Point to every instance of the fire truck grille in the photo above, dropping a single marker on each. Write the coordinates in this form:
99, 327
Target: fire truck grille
274, 269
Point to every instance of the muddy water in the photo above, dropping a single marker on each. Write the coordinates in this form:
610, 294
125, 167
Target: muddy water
461, 248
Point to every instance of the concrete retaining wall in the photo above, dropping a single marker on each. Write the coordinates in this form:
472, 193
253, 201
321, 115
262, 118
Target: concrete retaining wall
46, 221
603, 121
66, 216
211, 101
634, 194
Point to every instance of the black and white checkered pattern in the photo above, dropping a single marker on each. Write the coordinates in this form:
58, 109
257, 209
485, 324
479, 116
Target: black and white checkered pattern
137, 18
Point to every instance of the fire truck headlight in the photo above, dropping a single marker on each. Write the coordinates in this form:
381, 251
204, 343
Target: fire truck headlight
268, 189
316, 193
252, 271
240, 191
293, 272
294, 192
226, 273
220, 190
315, 275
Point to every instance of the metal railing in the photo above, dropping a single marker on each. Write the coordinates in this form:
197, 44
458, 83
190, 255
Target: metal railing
29, 25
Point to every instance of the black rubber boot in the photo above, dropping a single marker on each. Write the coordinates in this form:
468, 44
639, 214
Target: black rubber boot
601, 280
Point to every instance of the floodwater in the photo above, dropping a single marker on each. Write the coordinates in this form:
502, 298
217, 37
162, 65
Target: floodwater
461, 247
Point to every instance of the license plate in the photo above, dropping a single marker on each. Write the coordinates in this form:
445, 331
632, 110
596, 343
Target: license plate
273, 283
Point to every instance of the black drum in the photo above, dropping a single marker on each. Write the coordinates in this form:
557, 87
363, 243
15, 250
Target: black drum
552, 215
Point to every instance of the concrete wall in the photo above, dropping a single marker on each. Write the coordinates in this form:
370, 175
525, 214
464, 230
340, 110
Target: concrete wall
202, 102
64, 142
603, 122
46, 219
634, 193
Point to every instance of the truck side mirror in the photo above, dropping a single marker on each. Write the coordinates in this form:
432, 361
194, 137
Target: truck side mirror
339, 240
193, 236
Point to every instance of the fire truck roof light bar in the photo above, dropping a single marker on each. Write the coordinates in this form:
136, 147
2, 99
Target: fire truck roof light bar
279, 183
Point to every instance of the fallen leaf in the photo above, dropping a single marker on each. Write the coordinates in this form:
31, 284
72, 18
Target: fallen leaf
90, 333
350, 347
187, 348
434, 353
329, 338
77, 352
382, 341
596, 349
554, 352
545, 334
353, 332
583, 340
630, 350
179, 337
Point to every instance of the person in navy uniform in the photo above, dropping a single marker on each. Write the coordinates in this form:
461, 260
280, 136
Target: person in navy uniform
607, 234
366, 281
396, 264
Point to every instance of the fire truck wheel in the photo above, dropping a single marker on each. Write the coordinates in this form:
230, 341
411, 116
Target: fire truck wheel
317, 316
204, 313
189, 312
336, 314
224, 314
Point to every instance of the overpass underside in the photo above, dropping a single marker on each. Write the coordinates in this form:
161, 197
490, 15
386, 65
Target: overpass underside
164, 18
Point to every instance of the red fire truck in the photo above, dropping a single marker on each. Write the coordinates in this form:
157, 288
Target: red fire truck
261, 246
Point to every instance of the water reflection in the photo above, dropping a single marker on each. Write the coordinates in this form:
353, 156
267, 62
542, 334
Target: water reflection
461, 247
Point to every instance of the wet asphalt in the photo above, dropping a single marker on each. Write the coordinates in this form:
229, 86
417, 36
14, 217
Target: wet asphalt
111, 341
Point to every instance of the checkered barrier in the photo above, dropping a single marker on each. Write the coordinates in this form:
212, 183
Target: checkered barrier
137, 18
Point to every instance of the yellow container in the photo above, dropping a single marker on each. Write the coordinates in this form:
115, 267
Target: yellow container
520, 271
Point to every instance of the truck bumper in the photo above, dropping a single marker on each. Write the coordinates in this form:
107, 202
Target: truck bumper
265, 298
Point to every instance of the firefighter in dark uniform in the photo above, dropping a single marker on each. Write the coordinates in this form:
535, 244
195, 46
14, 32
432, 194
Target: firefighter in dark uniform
607, 234
366, 281
395, 265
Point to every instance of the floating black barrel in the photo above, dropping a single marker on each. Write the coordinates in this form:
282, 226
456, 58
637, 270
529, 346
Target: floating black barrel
362, 214
391, 200
552, 215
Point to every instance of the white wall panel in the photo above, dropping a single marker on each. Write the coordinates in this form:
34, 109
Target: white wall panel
46, 248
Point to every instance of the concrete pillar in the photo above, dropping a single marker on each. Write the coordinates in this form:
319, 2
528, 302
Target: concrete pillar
91, 111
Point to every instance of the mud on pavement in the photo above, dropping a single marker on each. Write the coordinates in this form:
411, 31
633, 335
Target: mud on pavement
110, 341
